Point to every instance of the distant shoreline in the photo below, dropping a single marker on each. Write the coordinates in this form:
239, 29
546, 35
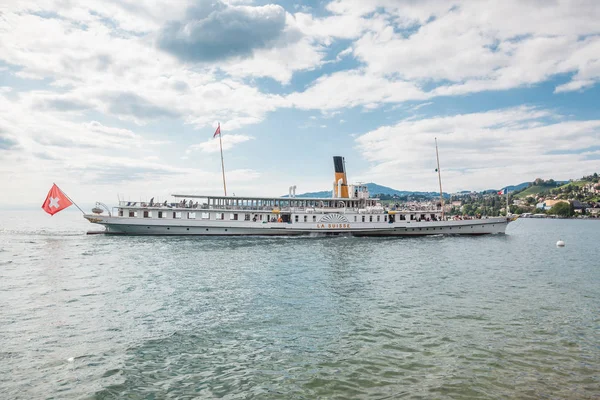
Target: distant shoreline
562, 218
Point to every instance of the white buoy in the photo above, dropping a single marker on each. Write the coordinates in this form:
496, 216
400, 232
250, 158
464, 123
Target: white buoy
560, 243
70, 359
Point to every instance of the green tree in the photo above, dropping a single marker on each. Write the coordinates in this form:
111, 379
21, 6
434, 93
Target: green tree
561, 209
468, 209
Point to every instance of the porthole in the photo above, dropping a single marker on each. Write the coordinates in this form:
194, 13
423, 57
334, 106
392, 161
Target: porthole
168, 228
188, 229
225, 230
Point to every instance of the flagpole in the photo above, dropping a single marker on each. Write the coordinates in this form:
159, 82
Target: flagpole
437, 155
222, 162
71, 200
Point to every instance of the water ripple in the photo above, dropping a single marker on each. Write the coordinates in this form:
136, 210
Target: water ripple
275, 318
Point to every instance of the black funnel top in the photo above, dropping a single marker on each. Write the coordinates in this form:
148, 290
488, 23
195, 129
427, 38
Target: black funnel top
338, 164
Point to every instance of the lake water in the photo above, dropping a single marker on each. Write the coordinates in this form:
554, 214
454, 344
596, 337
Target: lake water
507, 316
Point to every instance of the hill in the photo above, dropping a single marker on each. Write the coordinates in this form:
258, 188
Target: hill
521, 190
520, 186
375, 190
537, 187
533, 191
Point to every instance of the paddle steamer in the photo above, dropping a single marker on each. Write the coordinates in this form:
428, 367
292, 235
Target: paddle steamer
350, 210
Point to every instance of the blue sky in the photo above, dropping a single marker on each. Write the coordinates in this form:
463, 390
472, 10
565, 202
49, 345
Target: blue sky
108, 97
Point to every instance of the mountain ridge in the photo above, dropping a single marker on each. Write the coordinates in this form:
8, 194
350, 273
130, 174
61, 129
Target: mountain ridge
376, 189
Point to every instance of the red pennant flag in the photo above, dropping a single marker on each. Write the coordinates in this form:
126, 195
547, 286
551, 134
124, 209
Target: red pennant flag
55, 201
218, 131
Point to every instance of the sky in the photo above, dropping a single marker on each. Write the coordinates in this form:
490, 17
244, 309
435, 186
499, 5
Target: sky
120, 99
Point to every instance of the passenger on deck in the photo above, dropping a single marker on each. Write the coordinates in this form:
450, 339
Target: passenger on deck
165, 203
279, 219
151, 202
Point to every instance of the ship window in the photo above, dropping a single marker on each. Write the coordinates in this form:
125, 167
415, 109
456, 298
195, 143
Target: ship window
296, 218
233, 217
220, 216
205, 215
246, 217
191, 215
363, 218
305, 218
378, 218
314, 218
132, 214
355, 218
160, 214
177, 215
370, 218
120, 213
385, 218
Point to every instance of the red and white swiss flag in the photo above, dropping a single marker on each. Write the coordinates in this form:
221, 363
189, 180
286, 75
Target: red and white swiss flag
218, 131
55, 201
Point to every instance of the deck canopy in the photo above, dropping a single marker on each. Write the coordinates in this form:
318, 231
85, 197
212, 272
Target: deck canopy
196, 196
315, 202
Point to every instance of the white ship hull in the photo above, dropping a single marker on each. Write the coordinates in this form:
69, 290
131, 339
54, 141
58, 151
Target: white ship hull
350, 211
141, 226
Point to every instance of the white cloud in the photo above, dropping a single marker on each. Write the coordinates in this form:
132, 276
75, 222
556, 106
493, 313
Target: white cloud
96, 65
334, 91
343, 53
212, 145
480, 150
280, 62
483, 45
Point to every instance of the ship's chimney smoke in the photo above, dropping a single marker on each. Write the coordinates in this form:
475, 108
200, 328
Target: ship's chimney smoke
339, 165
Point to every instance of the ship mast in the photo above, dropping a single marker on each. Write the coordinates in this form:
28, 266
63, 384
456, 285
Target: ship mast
222, 162
437, 155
